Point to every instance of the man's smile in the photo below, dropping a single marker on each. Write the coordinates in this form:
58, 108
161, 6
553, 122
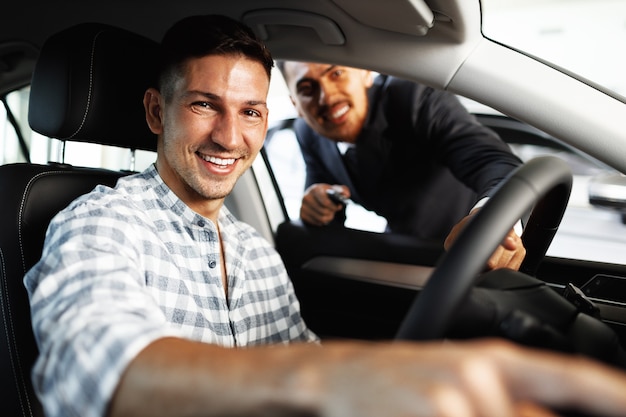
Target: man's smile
336, 113
222, 162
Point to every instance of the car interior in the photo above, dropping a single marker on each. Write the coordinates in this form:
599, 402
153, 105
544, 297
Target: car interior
350, 283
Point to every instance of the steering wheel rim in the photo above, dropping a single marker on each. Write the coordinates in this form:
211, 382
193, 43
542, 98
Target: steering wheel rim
542, 184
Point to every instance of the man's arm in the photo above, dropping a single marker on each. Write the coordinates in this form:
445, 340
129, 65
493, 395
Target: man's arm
317, 208
174, 377
475, 154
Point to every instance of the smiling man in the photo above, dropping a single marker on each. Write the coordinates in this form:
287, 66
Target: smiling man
332, 99
222, 99
159, 259
151, 299
406, 151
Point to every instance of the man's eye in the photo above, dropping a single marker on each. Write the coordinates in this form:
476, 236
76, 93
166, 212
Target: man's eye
305, 90
202, 105
252, 113
338, 73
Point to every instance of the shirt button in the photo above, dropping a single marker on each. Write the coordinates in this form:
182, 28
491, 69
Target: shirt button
201, 223
212, 264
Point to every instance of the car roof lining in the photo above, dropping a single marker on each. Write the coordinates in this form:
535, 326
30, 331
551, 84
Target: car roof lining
447, 28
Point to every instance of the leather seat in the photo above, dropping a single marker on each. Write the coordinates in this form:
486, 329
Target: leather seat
87, 86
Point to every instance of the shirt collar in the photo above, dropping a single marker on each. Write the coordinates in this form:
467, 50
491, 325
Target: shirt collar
170, 200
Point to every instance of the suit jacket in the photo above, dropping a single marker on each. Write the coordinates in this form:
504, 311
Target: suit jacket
422, 161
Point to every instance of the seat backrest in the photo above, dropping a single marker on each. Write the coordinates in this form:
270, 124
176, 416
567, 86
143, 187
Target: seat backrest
87, 86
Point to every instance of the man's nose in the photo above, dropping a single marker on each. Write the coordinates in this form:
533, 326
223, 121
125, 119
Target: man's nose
227, 132
326, 90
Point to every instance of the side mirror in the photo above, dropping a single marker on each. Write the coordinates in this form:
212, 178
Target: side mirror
609, 191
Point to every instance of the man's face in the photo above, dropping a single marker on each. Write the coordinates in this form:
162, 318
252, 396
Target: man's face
330, 98
212, 128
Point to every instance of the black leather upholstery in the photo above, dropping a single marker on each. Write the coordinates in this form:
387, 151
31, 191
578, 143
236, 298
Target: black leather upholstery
88, 86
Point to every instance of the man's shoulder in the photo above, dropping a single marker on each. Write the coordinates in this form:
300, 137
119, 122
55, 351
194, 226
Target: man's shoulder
384, 82
237, 233
301, 127
122, 197
390, 85
230, 224
308, 137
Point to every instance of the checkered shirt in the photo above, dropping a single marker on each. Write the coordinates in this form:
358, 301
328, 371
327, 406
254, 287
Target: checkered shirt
123, 267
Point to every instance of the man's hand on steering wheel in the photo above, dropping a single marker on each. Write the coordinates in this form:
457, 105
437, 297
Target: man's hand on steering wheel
540, 187
510, 254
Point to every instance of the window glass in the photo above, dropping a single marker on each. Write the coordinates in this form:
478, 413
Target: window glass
41, 150
587, 232
288, 166
11, 150
101, 156
586, 37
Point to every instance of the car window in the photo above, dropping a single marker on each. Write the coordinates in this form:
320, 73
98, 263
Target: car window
586, 233
13, 116
27, 145
288, 166
541, 29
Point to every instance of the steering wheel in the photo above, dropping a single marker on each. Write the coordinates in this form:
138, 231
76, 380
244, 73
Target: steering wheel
545, 183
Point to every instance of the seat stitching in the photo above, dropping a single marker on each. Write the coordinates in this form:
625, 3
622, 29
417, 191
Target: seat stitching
90, 91
21, 210
11, 338
20, 239
23, 258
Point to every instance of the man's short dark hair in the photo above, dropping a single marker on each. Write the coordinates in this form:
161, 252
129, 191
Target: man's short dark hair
198, 36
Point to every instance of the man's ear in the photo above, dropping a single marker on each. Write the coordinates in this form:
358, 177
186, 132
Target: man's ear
152, 100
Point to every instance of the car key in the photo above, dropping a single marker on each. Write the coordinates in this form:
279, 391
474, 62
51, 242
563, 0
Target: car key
337, 197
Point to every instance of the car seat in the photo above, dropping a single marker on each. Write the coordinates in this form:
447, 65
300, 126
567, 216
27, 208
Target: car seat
87, 86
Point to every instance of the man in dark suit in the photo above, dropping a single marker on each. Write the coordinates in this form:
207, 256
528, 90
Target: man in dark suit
408, 152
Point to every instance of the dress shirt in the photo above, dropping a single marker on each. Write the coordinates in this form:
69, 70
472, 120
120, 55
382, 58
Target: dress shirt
126, 266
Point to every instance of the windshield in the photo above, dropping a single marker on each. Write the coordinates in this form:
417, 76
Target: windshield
586, 37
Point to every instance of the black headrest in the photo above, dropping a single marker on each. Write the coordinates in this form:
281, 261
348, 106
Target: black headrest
88, 86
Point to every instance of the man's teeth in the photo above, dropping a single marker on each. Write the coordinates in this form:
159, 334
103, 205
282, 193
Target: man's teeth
340, 112
218, 161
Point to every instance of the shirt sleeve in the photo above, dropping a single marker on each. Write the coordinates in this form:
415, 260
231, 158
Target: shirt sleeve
90, 315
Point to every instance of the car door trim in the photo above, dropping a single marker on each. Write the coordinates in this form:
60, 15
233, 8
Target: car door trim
384, 273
